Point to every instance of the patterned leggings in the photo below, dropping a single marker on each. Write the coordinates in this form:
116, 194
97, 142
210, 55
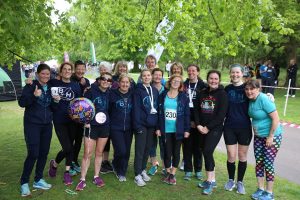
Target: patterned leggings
265, 156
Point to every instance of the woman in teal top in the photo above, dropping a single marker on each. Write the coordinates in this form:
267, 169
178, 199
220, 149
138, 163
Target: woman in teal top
267, 138
174, 124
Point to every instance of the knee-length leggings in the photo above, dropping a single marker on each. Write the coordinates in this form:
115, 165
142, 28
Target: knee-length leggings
265, 156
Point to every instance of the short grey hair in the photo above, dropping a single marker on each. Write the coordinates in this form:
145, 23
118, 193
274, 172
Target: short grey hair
107, 65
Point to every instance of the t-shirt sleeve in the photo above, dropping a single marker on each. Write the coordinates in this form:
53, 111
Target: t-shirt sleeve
268, 105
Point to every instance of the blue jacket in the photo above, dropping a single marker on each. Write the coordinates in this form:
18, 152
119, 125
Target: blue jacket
142, 108
120, 109
77, 80
37, 109
67, 92
101, 102
183, 114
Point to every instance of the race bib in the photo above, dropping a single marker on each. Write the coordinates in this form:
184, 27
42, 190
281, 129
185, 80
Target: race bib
100, 117
170, 114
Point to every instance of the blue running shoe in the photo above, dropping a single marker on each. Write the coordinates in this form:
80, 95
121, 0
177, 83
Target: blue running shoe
204, 184
208, 189
42, 184
266, 196
76, 167
199, 175
230, 185
25, 191
188, 176
72, 172
153, 169
257, 194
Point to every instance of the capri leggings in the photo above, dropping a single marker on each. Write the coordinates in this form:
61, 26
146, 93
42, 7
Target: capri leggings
265, 156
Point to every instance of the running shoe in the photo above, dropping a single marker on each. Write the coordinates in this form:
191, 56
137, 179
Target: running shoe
25, 191
67, 179
98, 181
139, 181
81, 185
75, 166
257, 194
52, 170
42, 184
208, 189
199, 175
188, 176
240, 188
153, 169
172, 179
266, 196
229, 185
204, 184
145, 177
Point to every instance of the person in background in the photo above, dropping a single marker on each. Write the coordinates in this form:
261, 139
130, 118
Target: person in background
36, 99
157, 75
97, 131
120, 109
277, 71
78, 77
65, 128
174, 124
270, 78
176, 68
104, 67
237, 129
264, 75
121, 68
145, 119
292, 74
210, 108
191, 145
267, 138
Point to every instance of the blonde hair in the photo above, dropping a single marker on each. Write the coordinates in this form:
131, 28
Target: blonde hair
120, 63
176, 64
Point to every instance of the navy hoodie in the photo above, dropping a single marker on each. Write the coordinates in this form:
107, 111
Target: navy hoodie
120, 109
142, 108
115, 84
183, 114
37, 109
210, 108
200, 86
101, 103
67, 92
75, 79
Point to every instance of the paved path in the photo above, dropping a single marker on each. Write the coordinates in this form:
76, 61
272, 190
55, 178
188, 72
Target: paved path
287, 163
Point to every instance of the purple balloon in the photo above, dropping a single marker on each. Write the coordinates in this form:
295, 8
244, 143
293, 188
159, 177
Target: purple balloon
81, 110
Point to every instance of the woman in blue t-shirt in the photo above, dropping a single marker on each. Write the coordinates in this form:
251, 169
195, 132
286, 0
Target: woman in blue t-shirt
267, 138
174, 124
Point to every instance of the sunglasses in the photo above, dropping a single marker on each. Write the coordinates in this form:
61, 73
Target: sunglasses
106, 79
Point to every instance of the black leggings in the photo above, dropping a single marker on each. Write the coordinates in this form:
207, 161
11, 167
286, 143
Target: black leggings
192, 150
172, 150
66, 136
77, 142
208, 144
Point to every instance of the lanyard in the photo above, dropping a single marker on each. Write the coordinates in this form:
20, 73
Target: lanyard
150, 96
191, 94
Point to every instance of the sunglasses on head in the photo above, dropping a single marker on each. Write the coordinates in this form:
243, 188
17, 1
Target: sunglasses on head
106, 79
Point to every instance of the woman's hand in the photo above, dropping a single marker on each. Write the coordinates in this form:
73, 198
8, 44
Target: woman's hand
158, 133
82, 81
186, 134
269, 141
37, 92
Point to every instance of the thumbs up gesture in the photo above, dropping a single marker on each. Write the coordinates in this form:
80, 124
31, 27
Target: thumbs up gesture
37, 92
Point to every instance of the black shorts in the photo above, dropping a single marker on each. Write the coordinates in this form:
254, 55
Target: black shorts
96, 132
242, 136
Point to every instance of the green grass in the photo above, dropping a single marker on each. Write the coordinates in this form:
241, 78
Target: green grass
13, 152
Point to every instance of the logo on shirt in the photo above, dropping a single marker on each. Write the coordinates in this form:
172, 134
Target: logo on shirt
236, 97
100, 103
66, 93
208, 105
44, 100
123, 105
147, 103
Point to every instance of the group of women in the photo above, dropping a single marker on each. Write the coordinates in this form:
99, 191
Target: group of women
191, 113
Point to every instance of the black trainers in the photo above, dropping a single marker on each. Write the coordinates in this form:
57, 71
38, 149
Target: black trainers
106, 167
